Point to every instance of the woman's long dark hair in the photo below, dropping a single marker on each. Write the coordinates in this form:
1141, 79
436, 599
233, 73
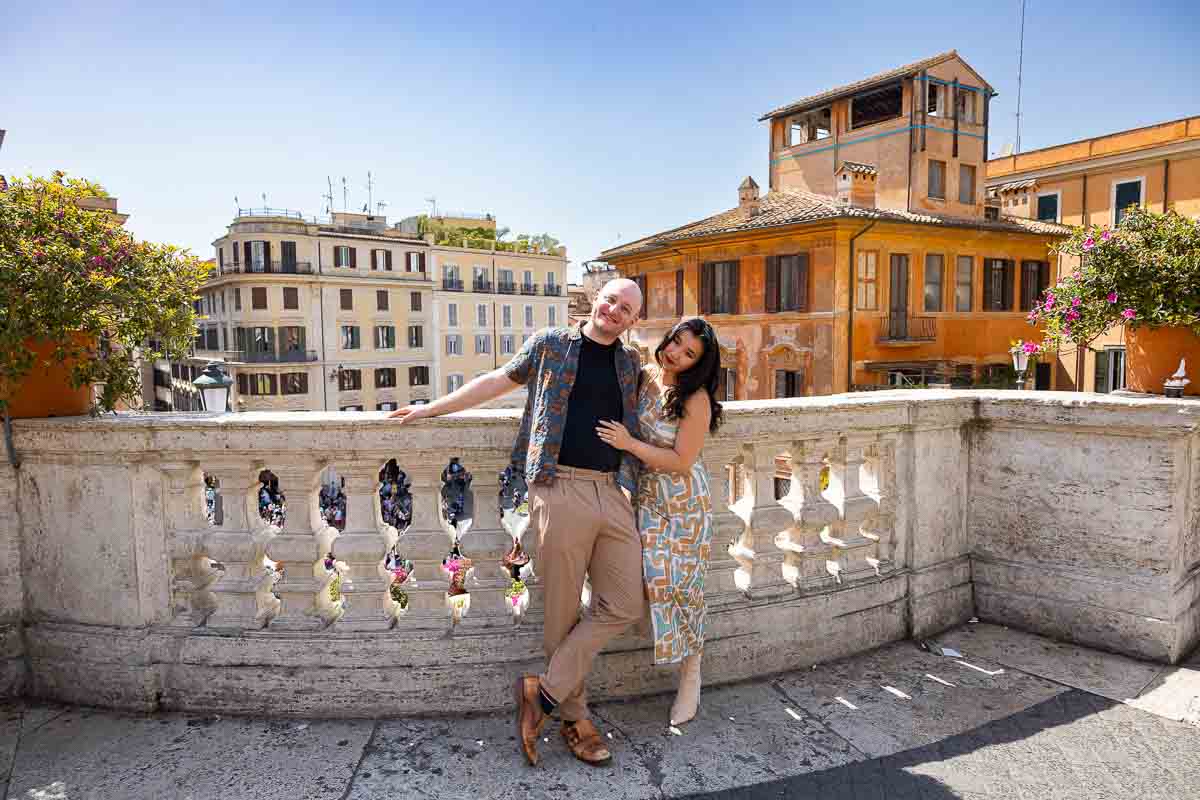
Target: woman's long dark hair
704, 374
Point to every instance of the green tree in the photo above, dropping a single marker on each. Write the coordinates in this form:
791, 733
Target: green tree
75, 278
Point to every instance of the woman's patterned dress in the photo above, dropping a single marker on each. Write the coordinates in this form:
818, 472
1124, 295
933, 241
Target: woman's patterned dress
675, 521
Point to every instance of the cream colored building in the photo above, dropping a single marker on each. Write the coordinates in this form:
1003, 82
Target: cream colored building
487, 303
347, 313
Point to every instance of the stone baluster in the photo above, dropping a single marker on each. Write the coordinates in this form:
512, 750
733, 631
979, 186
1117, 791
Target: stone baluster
811, 512
880, 523
237, 544
363, 546
194, 572
758, 512
855, 508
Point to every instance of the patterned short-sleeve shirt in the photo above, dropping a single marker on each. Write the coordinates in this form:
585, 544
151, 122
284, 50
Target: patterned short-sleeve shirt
546, 366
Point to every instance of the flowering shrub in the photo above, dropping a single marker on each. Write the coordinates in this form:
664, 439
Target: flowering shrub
76, 278
1146, 271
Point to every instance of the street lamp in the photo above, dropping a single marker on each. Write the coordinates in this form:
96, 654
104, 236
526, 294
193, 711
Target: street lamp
213, 385
1020, 363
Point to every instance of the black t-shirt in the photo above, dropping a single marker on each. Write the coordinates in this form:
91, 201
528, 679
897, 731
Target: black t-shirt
595, 396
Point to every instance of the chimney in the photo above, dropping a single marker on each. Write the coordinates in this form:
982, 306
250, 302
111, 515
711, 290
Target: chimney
856, 184
748, 196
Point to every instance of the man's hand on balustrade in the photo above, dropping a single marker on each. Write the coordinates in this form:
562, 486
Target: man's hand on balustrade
410, 413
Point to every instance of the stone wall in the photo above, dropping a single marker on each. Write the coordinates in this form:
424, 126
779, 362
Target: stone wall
1059, 513
12, 595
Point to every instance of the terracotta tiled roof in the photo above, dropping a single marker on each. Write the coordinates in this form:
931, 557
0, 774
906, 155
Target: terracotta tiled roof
1014, 186
865, 83
861, 169
794, 207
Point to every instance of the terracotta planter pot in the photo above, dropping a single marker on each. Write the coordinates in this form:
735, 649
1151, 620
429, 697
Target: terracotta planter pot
46, 391
1152, 355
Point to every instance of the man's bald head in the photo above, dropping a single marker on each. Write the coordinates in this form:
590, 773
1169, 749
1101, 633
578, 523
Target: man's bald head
615, 309
627, 288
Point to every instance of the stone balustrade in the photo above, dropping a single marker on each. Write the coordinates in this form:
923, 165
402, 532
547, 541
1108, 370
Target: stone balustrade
139, 570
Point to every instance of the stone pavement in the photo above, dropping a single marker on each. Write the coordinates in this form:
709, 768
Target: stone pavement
1023, 717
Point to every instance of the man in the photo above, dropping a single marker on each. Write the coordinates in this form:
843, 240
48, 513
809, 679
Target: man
576, 377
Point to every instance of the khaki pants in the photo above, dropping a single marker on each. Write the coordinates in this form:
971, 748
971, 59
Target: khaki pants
585, 524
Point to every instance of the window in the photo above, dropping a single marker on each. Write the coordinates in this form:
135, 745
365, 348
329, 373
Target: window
506, 277
291, 339
787, 283
964, 283
237, 299
1047, 206
481, 315
866, 287
262, 383
418, 376
416, 335
258, 256
679, 293
350, 337
727, 384
220, 258
288, 256
349, 380
808, 127
233, 248
385, 337
385, 406
294, 382
258, 298
1110, 369
506, 344
450, 272
1125, 194
222, 297
381, 300
1035, 279
385, 378
414, 300
414, 262
966, 184
528, 280
552, 316
876, 106
789, 383
452, 314
937, 179
997, 284
719, 287
347, 298
381, 259
350, 408
454, 345
506, 316
933, 281
966, 105
344, 256
528, 316
453, 383
933, 100
483, 343
291, 298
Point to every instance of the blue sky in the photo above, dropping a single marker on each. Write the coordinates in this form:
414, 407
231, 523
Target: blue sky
597, 123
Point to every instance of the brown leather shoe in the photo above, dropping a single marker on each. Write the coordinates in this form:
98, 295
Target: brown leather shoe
530, 718
585, 742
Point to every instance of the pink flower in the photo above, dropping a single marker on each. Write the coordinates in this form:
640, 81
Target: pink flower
1076, 274
97, 261
1072, 315
1089, 243
1112, 297
1029, 347
1049, 304
1129, 313
1066, 330
1106, 236
1033, 316
1076, 302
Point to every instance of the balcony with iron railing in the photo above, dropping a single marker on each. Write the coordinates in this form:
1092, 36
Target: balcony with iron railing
906, 329
481, 285
552, 290
296, 356
529, 288
452, 284
161, 561
505, 287
273, 268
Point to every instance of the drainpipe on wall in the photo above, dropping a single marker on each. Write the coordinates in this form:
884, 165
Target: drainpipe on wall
850, 315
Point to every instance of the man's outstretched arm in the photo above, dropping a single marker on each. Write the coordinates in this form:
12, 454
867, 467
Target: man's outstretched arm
480, 390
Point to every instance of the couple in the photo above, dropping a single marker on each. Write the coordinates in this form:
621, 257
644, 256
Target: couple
584, 466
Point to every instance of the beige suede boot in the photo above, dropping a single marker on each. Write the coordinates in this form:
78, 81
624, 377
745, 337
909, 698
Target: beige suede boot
687, 697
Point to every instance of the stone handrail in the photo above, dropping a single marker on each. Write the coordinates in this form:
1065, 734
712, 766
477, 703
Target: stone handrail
898, 514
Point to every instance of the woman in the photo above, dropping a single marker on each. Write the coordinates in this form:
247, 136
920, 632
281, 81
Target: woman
677, 407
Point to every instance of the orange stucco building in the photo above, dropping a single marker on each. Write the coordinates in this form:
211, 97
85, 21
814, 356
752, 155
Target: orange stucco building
874, 258
1089, 182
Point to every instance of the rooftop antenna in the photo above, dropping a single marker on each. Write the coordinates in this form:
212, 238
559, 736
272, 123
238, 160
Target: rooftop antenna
328, 198
370, 190
345, 195
432, 201
264, 197
1020, 65
379, 207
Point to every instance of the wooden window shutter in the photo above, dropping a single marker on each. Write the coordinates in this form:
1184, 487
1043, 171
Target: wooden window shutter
1009, 270
388, 259
246, 249
641, 284
420, 262
374, 259
273, 380
781, 383
353, 257
706, 288
243, 383
679, 293
802, 282
772, 284
267, 256
735, 283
